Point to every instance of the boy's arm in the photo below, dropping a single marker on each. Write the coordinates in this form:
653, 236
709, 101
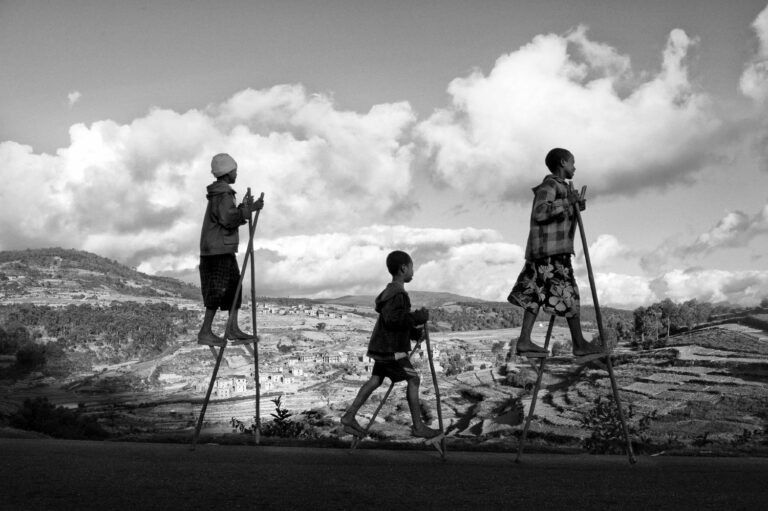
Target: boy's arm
395, 315
546, 207
228, 215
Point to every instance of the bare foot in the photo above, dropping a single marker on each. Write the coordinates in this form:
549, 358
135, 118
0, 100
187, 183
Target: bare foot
587, 348
236, 334
209, 339
351, 425
526, 346
423, 431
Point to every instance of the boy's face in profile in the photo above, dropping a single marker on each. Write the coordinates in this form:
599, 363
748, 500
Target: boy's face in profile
406, 271
569, 167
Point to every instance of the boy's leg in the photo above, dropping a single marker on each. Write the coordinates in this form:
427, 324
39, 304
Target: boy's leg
348, 419
412, 395
580, 345
233, 329
524, 343
206, 335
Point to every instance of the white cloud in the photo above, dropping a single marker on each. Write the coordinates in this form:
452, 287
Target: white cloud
621, 291
735, 229
571, 92
606, 250
754, 80
472, 262
739, 287
136, 192
479, 270
73, 97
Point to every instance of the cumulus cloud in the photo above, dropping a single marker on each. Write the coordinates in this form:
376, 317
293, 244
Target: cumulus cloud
618, 290
136, 192
739, 287
754, 84
73, 97
735, 229
754, 80
606, 250
472, 262
571, 91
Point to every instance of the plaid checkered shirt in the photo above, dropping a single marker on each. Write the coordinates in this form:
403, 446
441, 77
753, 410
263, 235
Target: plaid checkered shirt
553, 223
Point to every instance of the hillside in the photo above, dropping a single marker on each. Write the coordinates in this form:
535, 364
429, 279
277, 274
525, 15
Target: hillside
51, 275
429, 299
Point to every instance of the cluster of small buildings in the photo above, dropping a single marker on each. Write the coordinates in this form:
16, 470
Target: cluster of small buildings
228, 386
314, 311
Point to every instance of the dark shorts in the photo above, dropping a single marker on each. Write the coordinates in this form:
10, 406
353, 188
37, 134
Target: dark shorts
396, 371
547, 283
219, 275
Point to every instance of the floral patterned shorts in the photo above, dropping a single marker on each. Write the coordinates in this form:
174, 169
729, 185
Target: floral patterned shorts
549, 283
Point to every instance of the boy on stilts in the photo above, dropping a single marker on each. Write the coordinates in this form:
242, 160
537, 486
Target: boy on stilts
547, 278
389, 346
219, 240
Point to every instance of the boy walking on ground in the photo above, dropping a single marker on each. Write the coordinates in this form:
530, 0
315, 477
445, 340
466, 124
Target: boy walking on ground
389, 346
547, 278
219, 240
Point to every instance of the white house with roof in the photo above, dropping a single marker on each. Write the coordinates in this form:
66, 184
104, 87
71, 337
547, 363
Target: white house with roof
331, 357
240, 383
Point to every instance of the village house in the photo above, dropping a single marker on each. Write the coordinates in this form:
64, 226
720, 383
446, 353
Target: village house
331, 358
306, 357
239, 382
223, 387
228, 386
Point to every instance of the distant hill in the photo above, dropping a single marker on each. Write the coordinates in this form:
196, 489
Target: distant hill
55, 274
427, 299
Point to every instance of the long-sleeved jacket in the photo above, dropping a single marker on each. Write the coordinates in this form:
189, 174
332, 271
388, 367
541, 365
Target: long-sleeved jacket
221, 221
553, 223
394, 328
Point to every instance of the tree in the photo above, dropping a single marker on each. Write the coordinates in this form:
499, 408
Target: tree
668, 311
30, 356
326, 392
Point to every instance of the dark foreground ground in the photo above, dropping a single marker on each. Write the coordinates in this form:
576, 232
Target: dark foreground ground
60, 474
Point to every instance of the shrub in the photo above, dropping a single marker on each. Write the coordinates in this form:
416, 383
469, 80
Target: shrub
561, 347
606, 431
282, 426
30, 356
40, 415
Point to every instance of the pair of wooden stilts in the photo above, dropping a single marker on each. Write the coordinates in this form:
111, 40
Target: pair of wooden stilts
251, 345
438, 442
604, 357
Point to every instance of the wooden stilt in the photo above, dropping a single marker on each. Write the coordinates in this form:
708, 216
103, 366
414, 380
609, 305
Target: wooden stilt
539, 374
437, 442
603, 339
252, 220
580, 360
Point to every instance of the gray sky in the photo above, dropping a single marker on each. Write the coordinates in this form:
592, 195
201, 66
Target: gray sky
371, 126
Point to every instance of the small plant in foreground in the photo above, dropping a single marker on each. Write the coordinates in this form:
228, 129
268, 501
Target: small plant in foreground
606, 431
282, 426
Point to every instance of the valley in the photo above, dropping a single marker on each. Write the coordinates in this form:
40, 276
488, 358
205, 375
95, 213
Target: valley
141, 374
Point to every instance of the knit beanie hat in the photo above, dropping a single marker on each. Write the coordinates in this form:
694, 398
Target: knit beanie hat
222, 164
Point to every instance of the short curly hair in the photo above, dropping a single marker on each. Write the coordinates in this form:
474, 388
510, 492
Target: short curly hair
396, 259
555, 156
